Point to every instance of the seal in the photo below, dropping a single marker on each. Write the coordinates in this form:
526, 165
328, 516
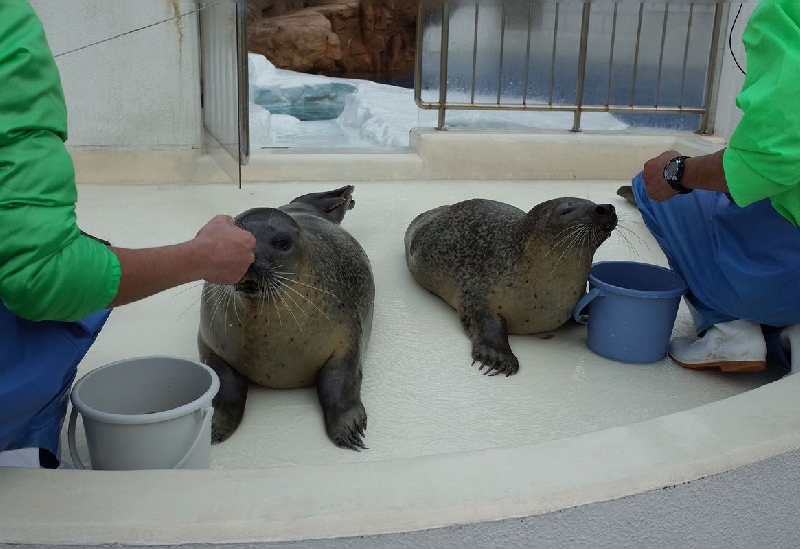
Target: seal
301, 315
505, 271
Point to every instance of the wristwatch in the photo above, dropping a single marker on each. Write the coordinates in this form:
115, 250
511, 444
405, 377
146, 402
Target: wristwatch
673, 172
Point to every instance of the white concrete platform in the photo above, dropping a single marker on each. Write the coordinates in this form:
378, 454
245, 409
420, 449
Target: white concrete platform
430, 412
447, 446
422, 396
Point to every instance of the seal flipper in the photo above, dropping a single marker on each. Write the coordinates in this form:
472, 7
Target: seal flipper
330, 204
230, 400
489, 337
626, 192
339, 391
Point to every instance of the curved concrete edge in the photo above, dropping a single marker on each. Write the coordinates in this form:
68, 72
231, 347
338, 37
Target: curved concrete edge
300, 503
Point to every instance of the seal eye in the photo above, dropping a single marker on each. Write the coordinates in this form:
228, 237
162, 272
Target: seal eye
281, 243
568, 210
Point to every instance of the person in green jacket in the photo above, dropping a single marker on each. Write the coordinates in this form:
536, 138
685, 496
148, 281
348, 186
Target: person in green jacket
728, 221
57, 285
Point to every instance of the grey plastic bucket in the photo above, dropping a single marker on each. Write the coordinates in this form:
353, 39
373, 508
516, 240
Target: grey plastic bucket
145, 413
631, 309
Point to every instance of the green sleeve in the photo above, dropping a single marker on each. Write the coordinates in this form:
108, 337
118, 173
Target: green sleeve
763, 156
48, 270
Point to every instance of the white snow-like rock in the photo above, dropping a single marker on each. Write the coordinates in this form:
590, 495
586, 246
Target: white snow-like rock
260, 127
313, 110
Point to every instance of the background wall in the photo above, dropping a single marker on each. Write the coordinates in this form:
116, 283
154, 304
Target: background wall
142, 90
731, 78
139, 91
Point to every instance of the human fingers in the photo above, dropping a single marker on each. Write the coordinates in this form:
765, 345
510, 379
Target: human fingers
656, 186
227, 250
224, 227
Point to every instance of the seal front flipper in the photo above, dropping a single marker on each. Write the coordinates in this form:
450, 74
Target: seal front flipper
339, 391
330, 204
489, 337
230, 400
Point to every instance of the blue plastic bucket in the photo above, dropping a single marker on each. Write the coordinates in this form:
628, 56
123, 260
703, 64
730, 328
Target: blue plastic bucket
631, 308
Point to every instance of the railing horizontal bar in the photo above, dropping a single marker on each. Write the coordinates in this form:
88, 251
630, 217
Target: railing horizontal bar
637, 109
642, 109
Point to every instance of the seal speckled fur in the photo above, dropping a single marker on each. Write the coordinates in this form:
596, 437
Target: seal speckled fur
505, 271
302, 314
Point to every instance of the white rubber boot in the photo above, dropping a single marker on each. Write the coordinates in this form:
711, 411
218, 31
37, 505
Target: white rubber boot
790, 339
735, 346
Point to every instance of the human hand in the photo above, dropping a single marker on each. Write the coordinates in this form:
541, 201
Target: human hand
653, 174
225, 250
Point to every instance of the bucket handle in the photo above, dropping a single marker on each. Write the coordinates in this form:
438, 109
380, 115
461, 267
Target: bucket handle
73, 449
583, 302
208, 412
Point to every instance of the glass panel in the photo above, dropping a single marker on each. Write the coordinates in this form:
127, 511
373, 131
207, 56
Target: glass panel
224, 86
525, 55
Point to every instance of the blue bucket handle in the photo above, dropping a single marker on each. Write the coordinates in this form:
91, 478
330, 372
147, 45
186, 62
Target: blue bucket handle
583, 302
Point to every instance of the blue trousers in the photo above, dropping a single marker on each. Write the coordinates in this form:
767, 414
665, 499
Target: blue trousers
38, 362
739, 263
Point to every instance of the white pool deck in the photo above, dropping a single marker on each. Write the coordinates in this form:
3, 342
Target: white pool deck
447, 446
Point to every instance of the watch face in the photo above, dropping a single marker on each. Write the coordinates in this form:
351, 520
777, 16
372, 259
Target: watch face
671, 170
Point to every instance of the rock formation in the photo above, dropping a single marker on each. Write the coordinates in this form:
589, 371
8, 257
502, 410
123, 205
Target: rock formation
375, 35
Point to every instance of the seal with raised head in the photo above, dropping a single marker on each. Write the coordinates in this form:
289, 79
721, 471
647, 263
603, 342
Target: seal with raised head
506, 271
301, 314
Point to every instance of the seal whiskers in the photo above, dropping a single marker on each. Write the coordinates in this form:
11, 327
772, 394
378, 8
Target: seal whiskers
280, 295
193, 303
218, 294
317, 288
579, 234
323, 313
284, 288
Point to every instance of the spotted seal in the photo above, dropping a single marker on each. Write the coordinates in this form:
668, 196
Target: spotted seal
506, 271
301, 314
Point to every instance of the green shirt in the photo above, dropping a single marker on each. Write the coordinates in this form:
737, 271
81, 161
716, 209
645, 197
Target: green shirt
763, 156
48, 270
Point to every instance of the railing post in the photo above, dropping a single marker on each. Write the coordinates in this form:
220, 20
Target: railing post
445, 51
582, 54
418, 52
712, 76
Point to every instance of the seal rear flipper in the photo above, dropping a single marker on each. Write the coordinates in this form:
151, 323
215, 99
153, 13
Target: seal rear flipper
330, 204
626, 192
490, 347
229, 402
339, 391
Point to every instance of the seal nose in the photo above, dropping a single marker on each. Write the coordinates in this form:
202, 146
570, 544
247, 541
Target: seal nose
604, 209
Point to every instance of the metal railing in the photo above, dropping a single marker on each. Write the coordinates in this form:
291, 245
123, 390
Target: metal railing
644, 58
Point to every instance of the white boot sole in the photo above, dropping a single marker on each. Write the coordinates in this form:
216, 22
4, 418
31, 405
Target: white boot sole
726, 366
